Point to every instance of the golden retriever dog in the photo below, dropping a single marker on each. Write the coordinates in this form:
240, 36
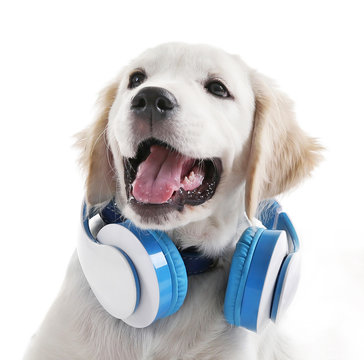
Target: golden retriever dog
188, 141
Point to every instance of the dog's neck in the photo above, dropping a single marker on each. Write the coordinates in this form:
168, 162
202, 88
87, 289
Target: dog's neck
216, 234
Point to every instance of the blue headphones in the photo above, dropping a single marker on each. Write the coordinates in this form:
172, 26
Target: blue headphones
139, 276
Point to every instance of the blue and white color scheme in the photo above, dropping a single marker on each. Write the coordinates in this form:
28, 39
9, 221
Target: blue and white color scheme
139, 276
264, 271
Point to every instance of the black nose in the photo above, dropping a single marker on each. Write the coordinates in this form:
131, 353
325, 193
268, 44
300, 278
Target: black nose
153, 103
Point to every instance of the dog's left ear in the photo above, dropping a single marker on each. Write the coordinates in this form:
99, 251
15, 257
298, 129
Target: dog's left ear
96, 157
281, 154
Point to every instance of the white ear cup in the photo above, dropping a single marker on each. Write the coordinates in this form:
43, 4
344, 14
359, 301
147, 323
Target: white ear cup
108, 272
287, 284
146, 312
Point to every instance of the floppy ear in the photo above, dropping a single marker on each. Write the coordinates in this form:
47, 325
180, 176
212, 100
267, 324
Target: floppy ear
96, 157
281, 154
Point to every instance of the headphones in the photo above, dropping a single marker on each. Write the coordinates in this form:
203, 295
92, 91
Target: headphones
139, 276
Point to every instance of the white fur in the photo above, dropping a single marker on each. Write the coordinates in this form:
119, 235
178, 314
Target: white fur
76, 327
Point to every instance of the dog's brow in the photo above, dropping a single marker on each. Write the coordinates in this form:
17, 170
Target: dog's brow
141, 69
216, 76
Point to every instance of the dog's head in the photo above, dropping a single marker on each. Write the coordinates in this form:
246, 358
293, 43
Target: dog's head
190, 134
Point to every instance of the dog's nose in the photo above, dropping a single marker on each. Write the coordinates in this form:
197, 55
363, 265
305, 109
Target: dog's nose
153, 103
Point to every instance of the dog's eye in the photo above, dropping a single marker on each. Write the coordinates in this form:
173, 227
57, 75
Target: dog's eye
136, 79
217, 88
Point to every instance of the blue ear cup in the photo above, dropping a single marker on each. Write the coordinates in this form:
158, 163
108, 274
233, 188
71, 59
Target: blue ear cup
238, 274
178, 273
179, 282
252, 277
264, 273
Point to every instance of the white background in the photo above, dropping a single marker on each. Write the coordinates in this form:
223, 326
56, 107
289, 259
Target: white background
56, 56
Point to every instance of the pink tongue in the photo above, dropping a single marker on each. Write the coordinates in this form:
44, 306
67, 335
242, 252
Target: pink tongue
159, 176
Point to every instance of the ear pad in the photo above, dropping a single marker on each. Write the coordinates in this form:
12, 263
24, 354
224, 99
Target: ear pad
238, 274
255, 266
177, 268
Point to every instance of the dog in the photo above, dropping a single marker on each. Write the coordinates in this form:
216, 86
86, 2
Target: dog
188, 139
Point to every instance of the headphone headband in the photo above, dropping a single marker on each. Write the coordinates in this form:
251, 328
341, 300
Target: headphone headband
272, 216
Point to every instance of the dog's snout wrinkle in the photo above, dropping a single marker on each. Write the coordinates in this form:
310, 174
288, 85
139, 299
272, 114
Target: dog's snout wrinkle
153, 103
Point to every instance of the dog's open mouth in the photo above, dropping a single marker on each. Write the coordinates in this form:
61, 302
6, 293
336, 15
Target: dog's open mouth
161, 177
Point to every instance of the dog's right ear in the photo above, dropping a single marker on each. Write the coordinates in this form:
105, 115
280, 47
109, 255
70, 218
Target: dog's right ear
281, 154
96, 157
